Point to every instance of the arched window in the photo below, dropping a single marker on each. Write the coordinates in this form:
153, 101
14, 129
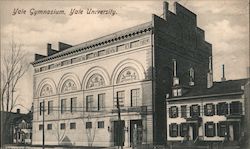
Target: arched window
96, 80
46, 90
127, 75
68, 86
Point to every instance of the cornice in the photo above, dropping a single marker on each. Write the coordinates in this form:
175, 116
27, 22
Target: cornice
100, 42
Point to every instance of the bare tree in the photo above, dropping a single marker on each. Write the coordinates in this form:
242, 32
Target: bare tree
14, 64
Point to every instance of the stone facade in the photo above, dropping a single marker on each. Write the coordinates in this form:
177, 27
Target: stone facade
80, 85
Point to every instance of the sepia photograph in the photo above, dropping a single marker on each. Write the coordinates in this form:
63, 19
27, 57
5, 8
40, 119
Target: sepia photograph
123, 74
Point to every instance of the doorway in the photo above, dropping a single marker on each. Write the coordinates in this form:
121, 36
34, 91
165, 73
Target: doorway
135, 132
118, 133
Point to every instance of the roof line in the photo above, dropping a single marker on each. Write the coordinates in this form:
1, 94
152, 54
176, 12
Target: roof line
204, 96
107, 39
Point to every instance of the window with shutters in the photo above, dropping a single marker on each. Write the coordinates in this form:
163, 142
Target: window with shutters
173, 130
195, 111
184, 129
222, 108
184, 111
210, 129
209, 109
173, 112
235, 108
222, 129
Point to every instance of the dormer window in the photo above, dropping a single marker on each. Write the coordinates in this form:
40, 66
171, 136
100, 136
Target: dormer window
191, 76
177, 92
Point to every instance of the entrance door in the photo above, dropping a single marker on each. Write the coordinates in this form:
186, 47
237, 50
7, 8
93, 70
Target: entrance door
135, 132
236, 131
195, 131
119, 133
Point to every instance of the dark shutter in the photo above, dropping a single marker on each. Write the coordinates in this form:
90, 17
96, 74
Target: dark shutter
198, 114
218, 129
205, 110
206, 129
177, 112
170, 112
213, 111
218, 108
191, 111
240, 108
226, 108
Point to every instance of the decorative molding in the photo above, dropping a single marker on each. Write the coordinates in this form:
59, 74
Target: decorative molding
68, 86
109, 39
95, 81
46, 90
127, 75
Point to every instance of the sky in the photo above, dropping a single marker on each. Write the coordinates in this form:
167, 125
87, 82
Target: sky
226, 25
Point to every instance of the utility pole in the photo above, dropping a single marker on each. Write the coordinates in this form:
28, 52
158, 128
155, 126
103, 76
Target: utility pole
43, 122
119, 123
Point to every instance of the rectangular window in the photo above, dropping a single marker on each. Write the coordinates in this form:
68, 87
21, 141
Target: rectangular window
50, 107
210, 129
51, 66
43, 68
209, 109
75, 60
73, 104
184, 111
173, 112
173, 130
62, 126
222, 108
135, 94
89, 56
120, 95
101, 99
72, 125
88, 125
235, 108
89, 103
63, 106
49, 126
41, 108
101, 53
40, 126
195, 111
100, 124
121, 47
66, 62
135, 44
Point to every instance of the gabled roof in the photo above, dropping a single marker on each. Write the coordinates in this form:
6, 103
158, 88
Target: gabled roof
229, 87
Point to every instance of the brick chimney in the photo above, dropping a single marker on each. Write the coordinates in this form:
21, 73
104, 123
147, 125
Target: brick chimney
210, 74
223, 78
18, 111
165, 10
